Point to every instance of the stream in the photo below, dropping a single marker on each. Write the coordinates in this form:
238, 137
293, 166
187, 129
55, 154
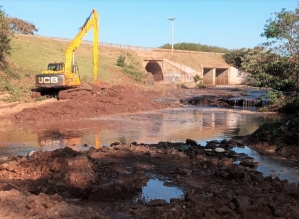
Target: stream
201, 124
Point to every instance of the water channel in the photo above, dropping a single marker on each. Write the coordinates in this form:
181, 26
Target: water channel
199, 123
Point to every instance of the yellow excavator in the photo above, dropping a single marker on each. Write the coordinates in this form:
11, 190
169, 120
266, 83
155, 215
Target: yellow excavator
65, 75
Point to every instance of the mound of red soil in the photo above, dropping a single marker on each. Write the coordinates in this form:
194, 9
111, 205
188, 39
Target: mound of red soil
90, 104
106, 183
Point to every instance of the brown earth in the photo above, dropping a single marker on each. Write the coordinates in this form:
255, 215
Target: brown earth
107, 182
104, 101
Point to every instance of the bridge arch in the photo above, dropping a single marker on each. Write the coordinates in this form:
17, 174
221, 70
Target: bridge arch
153, 67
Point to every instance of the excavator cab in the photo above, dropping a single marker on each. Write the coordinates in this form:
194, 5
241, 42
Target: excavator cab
56, 66
55, 77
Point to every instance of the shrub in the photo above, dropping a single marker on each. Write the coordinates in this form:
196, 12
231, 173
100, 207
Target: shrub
121, 61
4, 39
197, 78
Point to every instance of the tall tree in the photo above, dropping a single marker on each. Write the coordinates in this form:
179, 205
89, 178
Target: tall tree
282, 32
5, 35
21, 27
275, 63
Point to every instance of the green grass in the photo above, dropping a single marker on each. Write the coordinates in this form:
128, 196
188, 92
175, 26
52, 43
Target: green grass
30, 55
34, 53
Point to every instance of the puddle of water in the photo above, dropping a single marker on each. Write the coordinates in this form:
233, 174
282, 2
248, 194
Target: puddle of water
155, 189
273, 167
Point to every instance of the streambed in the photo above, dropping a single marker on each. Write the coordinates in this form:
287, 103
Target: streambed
201, 124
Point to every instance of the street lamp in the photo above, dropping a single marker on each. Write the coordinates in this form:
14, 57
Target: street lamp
171, 19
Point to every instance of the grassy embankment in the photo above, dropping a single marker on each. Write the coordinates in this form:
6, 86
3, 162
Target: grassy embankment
30, 55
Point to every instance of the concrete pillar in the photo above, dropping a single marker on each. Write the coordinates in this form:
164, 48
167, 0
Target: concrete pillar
228, 75
214, 76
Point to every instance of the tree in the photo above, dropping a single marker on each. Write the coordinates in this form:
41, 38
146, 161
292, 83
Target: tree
276, 63
5, 35
21, 27
282, 35
268, 69
282, 32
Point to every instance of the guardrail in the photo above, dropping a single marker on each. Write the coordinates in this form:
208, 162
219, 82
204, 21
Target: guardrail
122, 46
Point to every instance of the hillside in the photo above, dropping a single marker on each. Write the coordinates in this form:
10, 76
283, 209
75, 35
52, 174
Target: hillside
31, 54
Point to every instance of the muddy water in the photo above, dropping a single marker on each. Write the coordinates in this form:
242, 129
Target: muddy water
199, 123
273, 167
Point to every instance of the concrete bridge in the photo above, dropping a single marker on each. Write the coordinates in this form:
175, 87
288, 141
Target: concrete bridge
211, 67
165, 70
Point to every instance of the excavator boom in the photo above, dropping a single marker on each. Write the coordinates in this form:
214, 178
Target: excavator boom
65, 74
91, 22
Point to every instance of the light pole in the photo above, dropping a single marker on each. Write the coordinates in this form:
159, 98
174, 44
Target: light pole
171, 19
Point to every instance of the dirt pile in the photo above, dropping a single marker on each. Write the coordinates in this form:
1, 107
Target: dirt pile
99, 102
18, 204
107, 183
118, 99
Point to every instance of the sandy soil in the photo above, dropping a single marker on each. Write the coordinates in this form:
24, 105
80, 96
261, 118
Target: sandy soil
107, 182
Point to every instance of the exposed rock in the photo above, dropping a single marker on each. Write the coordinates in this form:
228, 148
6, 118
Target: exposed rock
219, 150
191, 142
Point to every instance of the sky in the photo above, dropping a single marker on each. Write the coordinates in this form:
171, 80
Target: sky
230, 24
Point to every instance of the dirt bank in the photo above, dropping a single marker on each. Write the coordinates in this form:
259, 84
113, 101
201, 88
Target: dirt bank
107, 183
277, 139
106, 101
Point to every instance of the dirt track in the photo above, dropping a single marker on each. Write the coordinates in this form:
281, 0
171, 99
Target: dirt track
104, 183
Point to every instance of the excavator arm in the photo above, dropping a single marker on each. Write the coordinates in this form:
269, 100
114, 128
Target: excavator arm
91, 22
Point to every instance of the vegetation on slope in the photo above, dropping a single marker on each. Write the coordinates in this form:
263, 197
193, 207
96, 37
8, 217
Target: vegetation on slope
279, 133
24, 56
5, 35
30, 55
195, 47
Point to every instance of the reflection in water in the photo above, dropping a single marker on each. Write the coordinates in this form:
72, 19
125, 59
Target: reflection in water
155, 189
200, 124
50, 143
